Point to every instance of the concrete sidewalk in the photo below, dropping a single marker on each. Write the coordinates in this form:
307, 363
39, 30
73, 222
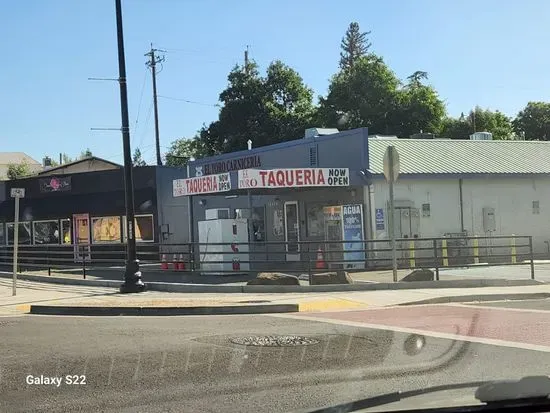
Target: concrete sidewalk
42, 298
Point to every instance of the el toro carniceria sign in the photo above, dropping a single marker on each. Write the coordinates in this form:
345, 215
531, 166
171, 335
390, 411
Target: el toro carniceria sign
229, 165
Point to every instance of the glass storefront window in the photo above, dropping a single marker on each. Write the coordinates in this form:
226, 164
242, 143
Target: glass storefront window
315, 220
258, 223
144, 227
46, 232
66, 231
292, 227
24, 233
2, 234
106, 230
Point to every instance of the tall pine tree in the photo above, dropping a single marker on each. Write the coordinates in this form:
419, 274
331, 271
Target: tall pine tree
354, 45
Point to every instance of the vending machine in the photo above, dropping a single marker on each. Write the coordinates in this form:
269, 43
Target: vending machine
345, 236
231, 251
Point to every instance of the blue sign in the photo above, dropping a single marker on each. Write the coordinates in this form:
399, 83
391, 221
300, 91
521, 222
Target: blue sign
354, 254
380, 219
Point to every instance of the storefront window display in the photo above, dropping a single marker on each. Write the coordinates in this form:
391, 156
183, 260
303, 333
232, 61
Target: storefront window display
106, 230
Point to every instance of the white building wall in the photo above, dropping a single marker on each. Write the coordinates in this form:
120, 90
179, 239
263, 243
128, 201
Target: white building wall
441, 194
512, 198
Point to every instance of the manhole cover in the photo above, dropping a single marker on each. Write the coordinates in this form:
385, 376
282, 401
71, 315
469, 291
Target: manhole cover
274, 341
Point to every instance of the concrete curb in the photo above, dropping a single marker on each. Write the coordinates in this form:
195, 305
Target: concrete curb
162, 311
257, 289
479, 297
61, 280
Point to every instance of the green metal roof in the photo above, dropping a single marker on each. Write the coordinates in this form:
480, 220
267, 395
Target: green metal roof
441, 156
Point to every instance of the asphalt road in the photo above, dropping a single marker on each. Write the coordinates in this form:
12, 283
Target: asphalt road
190, 364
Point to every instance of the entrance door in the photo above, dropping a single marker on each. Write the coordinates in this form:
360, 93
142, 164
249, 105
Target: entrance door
334, 247
292, 231
81, 225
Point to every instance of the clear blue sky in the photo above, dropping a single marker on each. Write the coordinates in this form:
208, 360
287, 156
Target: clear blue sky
488, 53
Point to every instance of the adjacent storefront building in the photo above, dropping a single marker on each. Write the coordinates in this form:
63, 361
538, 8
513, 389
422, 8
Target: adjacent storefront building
80, 204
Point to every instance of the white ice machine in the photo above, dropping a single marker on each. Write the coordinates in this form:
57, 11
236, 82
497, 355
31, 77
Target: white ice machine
234, 252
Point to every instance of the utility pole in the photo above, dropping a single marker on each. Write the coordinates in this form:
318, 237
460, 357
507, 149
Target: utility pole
152, 63
246, 60
132, 274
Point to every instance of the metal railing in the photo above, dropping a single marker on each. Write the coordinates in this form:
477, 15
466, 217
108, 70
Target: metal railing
302, 257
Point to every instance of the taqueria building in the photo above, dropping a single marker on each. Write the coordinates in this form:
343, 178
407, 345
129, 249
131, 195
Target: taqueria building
310, 189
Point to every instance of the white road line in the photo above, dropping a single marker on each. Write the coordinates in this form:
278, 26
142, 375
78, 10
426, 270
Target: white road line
488, 307
447, 336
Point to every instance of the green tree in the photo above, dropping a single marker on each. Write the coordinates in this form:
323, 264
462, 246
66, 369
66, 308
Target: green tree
182, 151
86, 154
137, 159
242, 114
415, 80
367, 96
66, 158
485, 120
478, 120
274, 108
367, 93
288, 105
18, 170
53, 162
455, 128
419, 108
354, 45
533, 121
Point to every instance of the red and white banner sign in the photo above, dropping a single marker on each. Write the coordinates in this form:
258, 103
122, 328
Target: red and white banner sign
293, 178
201, 185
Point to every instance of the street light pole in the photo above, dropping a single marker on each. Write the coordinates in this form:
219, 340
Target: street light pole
132, 275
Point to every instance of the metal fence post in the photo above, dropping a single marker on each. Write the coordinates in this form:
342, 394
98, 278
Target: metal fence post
513, 249
444, 252
192, 256
476, 250
309, 274
412, 260
84, 262
436, 259
531, 257
48, 259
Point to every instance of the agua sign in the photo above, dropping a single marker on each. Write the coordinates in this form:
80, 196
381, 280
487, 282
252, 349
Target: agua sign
201, 185
293, 178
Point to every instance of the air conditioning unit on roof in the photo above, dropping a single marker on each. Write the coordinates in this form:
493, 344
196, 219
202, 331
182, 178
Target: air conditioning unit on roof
313, 132
481, 136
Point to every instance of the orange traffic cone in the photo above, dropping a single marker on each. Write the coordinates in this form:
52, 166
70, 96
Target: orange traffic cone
163, 262
175, 261
320, 263
181, 263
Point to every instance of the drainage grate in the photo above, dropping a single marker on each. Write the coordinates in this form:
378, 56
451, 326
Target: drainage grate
274, 341
255, 301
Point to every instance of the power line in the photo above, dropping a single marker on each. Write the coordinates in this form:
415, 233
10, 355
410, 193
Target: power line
193, 51
190, 101
140, 99
204, 56
146, 123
